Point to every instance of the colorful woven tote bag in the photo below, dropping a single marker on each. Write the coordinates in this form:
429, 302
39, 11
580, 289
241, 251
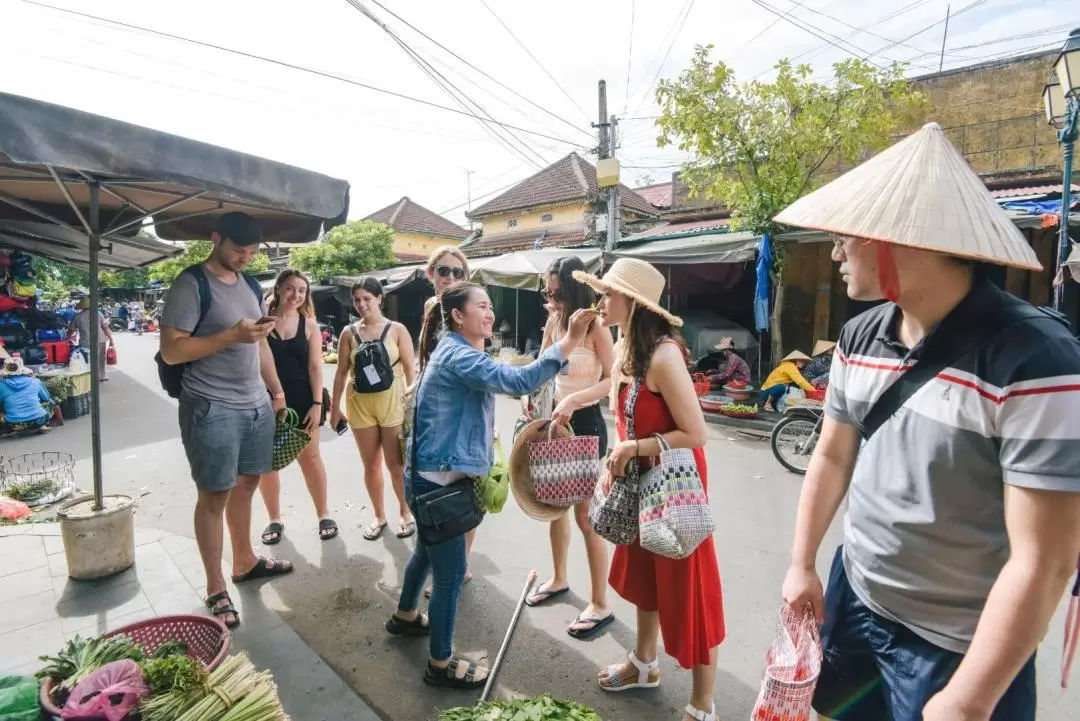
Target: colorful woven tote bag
289, 439
792, 667
673, 509
614, 515
564, 470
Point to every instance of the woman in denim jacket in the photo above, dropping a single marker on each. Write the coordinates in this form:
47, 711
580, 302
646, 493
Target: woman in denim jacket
452, 440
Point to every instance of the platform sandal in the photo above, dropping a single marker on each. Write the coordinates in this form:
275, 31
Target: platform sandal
699, 715
615, 682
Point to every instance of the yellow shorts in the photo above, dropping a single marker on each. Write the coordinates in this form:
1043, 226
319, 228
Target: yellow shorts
385, 409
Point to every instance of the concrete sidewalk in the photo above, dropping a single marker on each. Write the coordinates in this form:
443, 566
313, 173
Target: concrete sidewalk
40, 608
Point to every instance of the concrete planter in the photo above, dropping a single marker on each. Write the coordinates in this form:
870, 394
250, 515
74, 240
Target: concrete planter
98, 543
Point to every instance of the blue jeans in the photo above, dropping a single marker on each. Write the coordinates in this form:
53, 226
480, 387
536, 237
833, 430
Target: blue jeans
879, 670
447, 564
774, 393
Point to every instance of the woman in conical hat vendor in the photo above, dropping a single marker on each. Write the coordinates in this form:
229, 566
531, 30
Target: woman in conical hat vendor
783, 377
962, 523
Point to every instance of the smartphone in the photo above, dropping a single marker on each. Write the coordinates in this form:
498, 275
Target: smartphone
342, 427
265, 319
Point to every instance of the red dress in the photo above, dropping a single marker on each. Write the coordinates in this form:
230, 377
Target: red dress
686, 593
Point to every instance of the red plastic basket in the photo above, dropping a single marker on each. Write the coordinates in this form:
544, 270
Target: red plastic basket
207, 639
818, 395
701, 384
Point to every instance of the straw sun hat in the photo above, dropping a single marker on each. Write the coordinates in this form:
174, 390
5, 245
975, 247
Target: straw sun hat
635, 279
919, 193
823, 346
521, 482
796, 355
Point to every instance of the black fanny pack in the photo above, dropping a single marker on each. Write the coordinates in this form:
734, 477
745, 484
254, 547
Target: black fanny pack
447, 512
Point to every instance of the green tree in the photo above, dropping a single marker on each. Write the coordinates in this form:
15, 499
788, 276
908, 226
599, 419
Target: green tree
196, 251
758, 147
128, 278
355, 247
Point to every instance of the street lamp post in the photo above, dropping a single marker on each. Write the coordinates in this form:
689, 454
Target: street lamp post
1062, 99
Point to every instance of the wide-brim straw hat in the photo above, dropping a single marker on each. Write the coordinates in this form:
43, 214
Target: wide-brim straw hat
635, 279
83, 304
919, 193
823, 346
521, 482
725, 344
796, 355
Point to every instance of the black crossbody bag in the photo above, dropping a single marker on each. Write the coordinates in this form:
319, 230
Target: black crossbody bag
941, 349
448, 511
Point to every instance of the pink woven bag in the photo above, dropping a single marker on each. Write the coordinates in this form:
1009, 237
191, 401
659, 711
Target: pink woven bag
792, 667
564, 470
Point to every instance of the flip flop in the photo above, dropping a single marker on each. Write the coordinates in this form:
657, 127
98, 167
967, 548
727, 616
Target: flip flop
226, 609
598, 625
272, 533
543, 595
407, 529
327, 529
374, 531
265, 568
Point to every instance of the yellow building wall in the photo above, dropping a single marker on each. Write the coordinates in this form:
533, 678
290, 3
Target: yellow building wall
532, 219
418, 244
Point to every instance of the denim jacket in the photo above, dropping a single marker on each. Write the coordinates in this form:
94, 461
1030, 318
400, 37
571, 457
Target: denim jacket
455, 404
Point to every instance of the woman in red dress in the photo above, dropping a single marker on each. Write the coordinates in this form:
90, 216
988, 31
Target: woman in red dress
680, 599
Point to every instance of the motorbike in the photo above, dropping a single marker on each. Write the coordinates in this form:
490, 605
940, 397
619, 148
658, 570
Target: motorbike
117, 324
794, 437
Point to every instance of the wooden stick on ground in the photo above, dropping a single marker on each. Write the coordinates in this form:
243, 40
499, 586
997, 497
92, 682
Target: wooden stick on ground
509, 634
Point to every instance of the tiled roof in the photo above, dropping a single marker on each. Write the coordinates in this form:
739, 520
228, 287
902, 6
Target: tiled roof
408, 216
1030, 190
410, 257
658, 195
524, 240
569, 179
677, 229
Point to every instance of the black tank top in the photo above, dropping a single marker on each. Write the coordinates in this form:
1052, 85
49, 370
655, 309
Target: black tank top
291, 356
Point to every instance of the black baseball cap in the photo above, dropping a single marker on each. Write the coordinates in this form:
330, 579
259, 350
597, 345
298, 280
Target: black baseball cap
240, 228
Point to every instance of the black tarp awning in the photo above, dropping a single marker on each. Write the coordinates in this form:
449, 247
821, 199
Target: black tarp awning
49, 152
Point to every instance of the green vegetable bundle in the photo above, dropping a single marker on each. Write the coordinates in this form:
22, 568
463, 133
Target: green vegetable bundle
235, 691
540, 708
82, 657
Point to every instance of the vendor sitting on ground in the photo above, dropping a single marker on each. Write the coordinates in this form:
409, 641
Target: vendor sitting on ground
731, 366
785, 375
26, 402
817, 370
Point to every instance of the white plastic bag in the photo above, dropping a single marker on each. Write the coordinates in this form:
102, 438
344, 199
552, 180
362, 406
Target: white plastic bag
792, 668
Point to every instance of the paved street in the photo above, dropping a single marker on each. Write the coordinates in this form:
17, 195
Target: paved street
343, 590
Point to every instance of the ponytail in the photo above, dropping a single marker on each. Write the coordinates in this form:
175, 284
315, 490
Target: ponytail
438, 318
430, 331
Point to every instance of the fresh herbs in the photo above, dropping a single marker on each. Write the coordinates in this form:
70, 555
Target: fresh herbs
176, 672
540, 708
170, 648
31, 491
82, 657
235, 691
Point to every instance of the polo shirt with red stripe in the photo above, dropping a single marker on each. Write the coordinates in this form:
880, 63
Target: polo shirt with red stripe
924, 531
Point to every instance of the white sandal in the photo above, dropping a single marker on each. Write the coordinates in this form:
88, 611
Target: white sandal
615, 679
699, 715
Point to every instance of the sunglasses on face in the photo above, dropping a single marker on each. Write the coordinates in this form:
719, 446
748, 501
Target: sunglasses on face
446, 271
553, 295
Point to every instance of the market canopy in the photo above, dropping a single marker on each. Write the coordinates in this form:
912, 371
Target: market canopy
73, 247
705, 248
523, 269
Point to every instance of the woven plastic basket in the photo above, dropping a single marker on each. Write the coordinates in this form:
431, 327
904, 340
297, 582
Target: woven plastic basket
207, 639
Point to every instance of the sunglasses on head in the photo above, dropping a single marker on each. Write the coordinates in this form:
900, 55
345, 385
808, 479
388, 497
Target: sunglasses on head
446, 271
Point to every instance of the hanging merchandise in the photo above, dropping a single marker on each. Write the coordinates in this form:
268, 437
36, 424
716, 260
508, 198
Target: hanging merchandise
22, 276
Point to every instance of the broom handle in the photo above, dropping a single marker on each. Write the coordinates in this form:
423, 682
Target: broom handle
509, 634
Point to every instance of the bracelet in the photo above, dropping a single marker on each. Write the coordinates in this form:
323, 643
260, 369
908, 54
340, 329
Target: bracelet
637, 447
316, 403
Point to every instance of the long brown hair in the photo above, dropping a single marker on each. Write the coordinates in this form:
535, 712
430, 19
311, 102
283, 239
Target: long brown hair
428, 331
440, 318
574, 295
646, 331
307, 309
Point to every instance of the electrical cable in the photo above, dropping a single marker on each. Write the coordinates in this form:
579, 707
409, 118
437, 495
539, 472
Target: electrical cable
630, 56
300, 68
816, 32
534, 58
761, 32
689, 6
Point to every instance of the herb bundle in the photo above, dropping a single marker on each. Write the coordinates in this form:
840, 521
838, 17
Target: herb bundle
540, 708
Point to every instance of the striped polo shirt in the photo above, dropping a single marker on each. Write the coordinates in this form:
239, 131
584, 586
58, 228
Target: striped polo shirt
924, 531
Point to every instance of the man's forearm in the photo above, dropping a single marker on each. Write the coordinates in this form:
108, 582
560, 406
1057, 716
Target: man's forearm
823, 489
1013, 623
189, 349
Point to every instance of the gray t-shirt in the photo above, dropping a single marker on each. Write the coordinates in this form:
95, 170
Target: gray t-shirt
81, 321
231, 376
924, 533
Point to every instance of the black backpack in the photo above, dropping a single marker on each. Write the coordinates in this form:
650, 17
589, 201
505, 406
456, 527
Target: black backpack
172, 376
371, 354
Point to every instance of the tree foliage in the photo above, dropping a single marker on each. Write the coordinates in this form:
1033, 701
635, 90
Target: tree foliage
128, 278
758, 147
196, 251
349, 249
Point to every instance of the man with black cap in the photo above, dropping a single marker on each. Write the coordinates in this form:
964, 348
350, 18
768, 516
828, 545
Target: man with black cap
215, 324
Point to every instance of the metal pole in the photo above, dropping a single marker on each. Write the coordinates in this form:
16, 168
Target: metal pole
95, 350
613, 192
1067, 136
509, 634
517, 308
944, 37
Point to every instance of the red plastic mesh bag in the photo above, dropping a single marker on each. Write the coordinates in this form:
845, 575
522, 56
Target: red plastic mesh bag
792, 667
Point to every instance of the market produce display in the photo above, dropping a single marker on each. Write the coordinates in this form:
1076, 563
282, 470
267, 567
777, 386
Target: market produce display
329, 358
540, 708
18, 698
235, 691
81, 657
738, 410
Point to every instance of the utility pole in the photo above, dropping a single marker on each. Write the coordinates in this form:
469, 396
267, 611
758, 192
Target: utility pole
607, 204
613, 191
944, 37
468, 190
605, 149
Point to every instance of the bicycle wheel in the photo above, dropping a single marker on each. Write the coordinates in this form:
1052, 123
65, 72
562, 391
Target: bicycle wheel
793, 440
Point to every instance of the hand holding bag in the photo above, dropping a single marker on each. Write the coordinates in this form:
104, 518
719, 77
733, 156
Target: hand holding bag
792, 667
614, 515
289, 439
674, 515
564, 470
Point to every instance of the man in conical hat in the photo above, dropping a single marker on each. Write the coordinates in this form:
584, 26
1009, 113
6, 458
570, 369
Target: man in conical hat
962, 526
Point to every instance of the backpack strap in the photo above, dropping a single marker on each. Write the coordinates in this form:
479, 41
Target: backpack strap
203, 289
382, 339
255, 286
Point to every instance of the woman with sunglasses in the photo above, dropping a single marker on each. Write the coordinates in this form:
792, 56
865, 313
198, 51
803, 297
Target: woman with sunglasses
376, 418
578, 390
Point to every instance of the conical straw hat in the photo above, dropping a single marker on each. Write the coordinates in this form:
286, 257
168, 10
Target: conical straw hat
920, 193
795, 355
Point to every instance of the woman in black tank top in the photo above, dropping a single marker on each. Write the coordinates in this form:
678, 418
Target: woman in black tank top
296, 343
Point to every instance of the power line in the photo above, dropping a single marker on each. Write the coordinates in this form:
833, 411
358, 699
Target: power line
689, 7
959, 12
479, 197
534, 58
814, 52
764, 30
502, 85
630, 56
443, 82
816, 32
856, 29
299, 68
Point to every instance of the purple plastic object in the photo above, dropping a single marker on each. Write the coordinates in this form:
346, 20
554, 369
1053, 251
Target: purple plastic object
94, 697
